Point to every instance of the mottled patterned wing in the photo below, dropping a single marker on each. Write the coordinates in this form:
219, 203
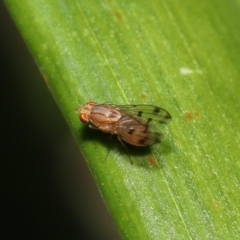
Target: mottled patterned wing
139, 124
151, 114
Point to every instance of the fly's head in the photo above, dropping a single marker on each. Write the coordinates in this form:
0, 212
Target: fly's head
85, 112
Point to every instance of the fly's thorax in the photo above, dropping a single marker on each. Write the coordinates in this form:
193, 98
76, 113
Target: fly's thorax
105, 117
106, 114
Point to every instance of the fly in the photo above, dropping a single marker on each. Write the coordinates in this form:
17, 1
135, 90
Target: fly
133, 124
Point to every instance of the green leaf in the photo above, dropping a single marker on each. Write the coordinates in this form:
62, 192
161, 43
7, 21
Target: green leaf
182, 56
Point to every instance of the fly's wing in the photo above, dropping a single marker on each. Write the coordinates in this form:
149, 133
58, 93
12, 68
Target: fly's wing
148, 113
140, 123
135, 131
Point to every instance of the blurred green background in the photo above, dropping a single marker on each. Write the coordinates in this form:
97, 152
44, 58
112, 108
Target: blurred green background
47, 189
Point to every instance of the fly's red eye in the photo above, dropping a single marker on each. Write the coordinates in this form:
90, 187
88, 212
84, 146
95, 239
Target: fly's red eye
83, 118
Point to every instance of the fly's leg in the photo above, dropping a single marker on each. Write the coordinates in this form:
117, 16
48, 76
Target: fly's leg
108, 148
121, 141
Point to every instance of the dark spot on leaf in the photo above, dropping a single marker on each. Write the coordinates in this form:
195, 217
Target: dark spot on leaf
118, 15
191, 115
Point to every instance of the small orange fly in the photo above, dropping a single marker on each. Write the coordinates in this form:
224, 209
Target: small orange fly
134, 124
